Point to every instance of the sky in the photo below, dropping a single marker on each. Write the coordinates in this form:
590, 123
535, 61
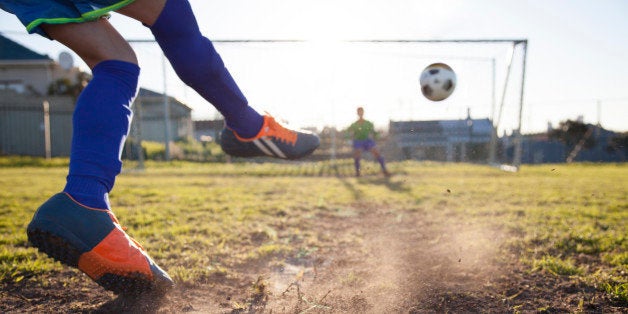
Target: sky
576, 59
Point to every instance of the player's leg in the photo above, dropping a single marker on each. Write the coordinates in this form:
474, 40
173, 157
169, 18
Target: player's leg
198, 64
103, 109
93, 42
357, 155
380, 159
195, 60
77, 227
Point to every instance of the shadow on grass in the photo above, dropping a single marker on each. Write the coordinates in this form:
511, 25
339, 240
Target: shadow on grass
393, 185
357, 194
398, 186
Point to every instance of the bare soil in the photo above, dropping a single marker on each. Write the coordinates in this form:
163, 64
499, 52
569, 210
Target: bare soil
372, 260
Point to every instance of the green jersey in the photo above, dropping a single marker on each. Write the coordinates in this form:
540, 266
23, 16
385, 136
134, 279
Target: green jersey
362, 130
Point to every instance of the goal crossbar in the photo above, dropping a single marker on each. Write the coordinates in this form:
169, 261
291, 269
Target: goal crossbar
470, 41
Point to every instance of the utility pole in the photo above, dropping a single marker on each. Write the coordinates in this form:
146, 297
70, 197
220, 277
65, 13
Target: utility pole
166, 110
47, 142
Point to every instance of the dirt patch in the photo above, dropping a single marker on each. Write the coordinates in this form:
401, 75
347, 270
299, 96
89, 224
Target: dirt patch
396, 263
372, 260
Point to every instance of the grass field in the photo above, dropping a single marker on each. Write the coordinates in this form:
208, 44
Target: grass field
205, 222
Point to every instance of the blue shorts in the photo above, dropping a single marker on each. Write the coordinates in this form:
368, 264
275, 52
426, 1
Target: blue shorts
33, 13
365, 145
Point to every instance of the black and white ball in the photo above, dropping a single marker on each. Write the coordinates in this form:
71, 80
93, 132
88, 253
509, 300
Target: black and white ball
438, 81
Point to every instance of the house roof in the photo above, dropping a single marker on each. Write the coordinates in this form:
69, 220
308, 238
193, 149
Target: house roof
10, 50
155, 97
143, 92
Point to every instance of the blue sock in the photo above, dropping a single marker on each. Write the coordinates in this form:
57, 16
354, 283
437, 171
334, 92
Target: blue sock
100, 125
197, 63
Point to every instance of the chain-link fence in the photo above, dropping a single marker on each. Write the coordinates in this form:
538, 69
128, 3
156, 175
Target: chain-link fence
35, 126
41, 126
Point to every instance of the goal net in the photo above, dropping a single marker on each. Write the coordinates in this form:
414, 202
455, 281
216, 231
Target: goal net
318, 85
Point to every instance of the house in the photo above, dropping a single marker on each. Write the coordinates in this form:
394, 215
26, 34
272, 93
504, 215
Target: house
445, 140
148, 110
28, 116
28, 72
34, 122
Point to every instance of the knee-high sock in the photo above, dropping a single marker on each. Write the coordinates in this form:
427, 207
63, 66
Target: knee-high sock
100, 126
197, 63
356, 164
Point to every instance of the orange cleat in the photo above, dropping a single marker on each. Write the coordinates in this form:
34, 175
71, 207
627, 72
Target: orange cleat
273, 140
93, 241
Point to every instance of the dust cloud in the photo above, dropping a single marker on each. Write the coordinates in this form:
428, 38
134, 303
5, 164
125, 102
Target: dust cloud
386, 262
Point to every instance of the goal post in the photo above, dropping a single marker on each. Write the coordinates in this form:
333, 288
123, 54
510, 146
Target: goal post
523, 43
322, 73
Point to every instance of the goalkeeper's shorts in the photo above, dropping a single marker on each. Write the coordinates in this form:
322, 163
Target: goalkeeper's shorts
365, 145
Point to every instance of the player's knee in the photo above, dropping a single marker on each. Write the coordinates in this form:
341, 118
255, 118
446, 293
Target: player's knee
127, 55
115, 50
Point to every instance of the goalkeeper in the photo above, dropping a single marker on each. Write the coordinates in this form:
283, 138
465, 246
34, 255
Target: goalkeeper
363, 134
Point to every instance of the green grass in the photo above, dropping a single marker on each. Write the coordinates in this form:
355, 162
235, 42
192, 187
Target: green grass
557, 266
203, 220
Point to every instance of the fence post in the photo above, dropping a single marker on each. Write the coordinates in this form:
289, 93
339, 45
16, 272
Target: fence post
166, 110
47, 144
138, 133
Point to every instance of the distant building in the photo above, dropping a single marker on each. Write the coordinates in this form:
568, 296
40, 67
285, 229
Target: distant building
149, 108
540, 148
443, 140
26, 127
25, 77
28, 72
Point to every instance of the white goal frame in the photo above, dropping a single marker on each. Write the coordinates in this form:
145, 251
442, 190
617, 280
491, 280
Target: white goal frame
523, 43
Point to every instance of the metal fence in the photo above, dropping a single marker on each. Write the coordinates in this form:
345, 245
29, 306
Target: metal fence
33, 126
42, 126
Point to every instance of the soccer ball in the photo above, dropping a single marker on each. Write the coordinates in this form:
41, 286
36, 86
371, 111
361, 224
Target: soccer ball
437, 81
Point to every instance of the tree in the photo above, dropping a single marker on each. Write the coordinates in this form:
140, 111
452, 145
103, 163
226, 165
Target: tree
619, 145
574, 134
65, 87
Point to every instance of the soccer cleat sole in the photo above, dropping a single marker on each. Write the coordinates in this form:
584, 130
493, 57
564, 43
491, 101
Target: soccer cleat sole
306, 153
64, 252
54, 246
